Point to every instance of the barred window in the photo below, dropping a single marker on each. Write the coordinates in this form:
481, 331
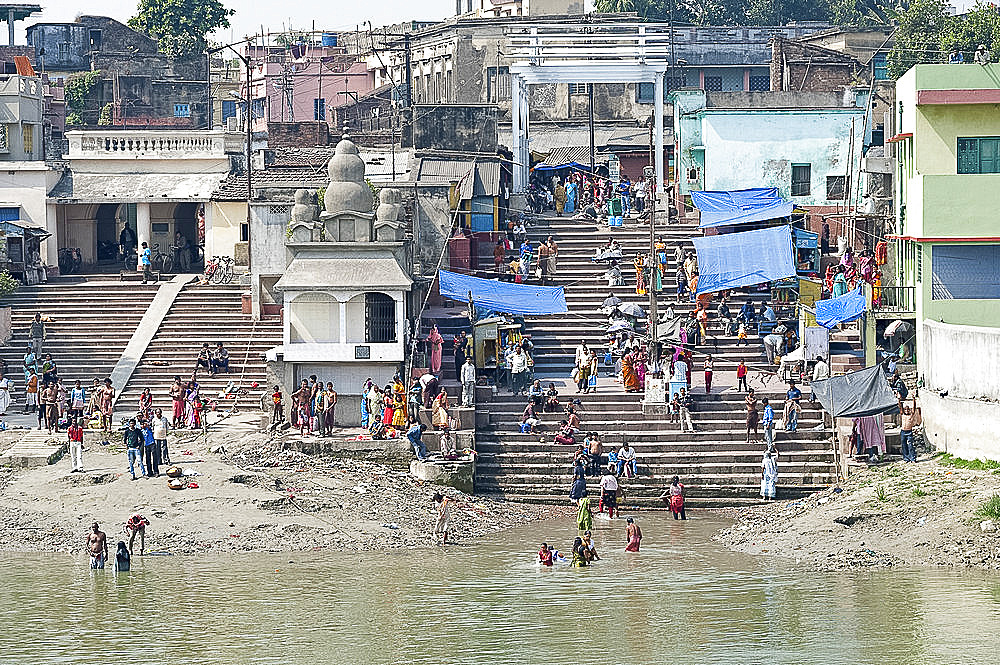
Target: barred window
380, 318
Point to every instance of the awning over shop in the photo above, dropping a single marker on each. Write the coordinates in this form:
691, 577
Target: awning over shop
740, 206
856, 394
576, 157
732, 260
503, 296
842, 309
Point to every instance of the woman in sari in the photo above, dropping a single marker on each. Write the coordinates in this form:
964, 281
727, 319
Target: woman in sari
641, 358
579, 557
640, 274
769, 475
570, 197
630, 380
387, 410
439, 410
578, 489
435, 340
584, 516
839, 284
399, 404
190, 398
30, 361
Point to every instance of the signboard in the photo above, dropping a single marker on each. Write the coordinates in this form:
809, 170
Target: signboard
655, 391
614, 168
362, 352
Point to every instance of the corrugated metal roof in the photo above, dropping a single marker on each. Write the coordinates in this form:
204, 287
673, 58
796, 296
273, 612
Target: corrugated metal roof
576, 153
478, 176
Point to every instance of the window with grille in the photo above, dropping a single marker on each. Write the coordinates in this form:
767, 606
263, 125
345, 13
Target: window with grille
979, 155
713, 83
319, 108
674, 82
380, 318
578, 88
4, 145
965, 272
182, 110
835, 187
279, 210
63, 51
257, 108
801, 179
28, 137
228, 109
880, 67
760, 83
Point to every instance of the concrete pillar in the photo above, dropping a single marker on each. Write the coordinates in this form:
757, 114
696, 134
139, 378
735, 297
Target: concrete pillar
10, 27
400, 318
343, 321
50, 251
143, 229
520, 170
658, 131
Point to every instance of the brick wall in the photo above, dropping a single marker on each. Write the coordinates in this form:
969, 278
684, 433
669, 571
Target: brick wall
297, 134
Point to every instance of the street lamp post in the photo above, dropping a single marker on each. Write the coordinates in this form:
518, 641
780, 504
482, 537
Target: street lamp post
650, 174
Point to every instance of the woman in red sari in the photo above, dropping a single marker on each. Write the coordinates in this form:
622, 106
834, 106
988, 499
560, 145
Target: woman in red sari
629, 378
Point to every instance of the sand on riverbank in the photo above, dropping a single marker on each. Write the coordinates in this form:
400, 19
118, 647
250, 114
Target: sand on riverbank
259, 495
920, 514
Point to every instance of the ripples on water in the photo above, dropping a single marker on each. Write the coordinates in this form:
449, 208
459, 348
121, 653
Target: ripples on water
680, 599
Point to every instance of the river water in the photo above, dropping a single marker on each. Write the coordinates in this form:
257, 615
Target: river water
681, 599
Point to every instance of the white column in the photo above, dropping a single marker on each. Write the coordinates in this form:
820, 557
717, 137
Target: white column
143, 229
520, 171
50, 257
400, 317
343, 322
658, 132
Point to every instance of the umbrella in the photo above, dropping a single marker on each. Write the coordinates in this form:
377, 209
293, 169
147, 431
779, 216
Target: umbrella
898, 326
618, 327
611, 302
631, 309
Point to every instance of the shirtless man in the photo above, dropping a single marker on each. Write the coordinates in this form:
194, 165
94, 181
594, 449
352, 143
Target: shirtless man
97, 546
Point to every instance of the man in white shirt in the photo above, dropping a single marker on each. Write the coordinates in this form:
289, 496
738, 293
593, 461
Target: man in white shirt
626, 460
580, 354
519, 371
468, 377
609, 494
820, 371
161, 425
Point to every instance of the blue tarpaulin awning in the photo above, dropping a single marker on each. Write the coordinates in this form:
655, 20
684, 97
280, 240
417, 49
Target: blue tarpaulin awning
503, 296
732, 260
841, 309
740, 206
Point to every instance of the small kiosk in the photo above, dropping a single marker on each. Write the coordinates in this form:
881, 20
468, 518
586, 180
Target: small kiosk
806, 251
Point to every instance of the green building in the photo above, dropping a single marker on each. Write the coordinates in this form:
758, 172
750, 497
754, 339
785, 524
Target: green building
947, 245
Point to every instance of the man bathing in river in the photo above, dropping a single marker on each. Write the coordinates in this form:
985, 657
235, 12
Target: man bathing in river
97, 546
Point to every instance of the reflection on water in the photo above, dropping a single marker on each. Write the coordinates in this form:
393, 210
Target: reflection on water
680, 599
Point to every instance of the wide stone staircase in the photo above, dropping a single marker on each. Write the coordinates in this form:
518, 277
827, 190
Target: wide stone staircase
204, 313
93, 320
715, 463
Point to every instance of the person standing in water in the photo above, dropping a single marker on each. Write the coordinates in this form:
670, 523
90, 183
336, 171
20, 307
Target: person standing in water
97, 546
545, 555
579, 557
633, 535
443, 518
674, 497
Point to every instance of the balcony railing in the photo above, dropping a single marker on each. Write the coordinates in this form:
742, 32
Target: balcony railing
146, 144
894, 300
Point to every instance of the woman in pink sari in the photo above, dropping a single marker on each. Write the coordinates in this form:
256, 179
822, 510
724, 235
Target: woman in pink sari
641, 359
435, 340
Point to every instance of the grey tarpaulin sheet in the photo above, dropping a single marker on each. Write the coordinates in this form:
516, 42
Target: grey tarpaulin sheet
862, 393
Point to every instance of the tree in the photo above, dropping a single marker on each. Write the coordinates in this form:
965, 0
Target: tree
918, 35
180, 26
863, 13
980, 25
780, 12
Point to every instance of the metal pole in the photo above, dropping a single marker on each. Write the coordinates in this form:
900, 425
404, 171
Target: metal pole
590, 93
653, 315
409, 71
249, 114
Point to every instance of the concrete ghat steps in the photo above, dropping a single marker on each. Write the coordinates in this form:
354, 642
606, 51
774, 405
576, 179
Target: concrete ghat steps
204, 314
716, 463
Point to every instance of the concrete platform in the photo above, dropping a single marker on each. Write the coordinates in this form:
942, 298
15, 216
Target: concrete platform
457, 474
36, 448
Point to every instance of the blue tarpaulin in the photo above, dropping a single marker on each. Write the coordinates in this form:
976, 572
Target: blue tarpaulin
841, 309
740, 206
503, 296
732, 260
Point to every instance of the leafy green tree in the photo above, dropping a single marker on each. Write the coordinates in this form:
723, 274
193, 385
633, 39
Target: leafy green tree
918, 35
980, 25
863, 13
780, 12
180, 26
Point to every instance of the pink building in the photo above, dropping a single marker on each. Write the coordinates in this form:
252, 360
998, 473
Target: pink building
303, 82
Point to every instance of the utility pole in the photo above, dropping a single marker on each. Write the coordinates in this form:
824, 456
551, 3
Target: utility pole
650, 173
590, 94
409, 71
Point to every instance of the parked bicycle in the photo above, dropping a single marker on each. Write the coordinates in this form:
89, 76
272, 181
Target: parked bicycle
220, 270
70, 260
161, 262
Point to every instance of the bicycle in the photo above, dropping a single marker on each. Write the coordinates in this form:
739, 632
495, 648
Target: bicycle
159, 260
225, 270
